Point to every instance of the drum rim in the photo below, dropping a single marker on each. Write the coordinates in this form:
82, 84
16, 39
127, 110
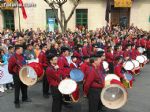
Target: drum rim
114, 85
116, 77
21, 77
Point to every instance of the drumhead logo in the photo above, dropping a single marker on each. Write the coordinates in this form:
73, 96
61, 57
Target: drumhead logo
1, 74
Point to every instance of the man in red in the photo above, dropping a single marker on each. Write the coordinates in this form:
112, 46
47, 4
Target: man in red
85, 65
110, 59
85, 49
94, 83
127, 53
53, 74
63, 63
15, 63
43, 61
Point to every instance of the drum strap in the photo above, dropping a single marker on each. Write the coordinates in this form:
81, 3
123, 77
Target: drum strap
18, 62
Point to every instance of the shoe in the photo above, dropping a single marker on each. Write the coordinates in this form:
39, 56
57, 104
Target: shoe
17, 105
46, 96
27, 100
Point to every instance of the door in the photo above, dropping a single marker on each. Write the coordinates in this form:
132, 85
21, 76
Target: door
120, 16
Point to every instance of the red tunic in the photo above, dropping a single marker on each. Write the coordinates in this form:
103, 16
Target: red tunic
85, 51
94, 80
43, 59
109, 57
64, 66
118, 71
15, 63
53, 76
84, 68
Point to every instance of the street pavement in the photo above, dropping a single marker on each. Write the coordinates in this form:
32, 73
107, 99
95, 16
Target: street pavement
138, 98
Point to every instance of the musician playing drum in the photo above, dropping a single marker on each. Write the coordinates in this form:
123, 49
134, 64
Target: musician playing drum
94, 83
53, 76
16, 61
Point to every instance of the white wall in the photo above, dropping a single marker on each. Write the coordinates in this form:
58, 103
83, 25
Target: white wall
37, 15
140, 13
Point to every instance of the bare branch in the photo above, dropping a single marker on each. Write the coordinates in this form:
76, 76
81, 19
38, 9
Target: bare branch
76, 2
51, 4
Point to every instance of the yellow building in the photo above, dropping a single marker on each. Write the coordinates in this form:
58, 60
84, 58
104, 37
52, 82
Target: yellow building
90, 13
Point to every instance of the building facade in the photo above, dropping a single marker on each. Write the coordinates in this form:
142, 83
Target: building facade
89, 13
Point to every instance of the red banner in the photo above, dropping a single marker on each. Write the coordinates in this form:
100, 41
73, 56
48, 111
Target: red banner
23, 9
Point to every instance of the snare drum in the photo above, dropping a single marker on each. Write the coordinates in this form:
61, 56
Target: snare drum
76, 75
128, 65
70, 91
136, 64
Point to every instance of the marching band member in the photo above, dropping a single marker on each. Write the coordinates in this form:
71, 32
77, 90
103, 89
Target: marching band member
110, 59
127, 53
43, 61
85, 65
118, 67
94, 83
62, 61
16, 61
73, 63
53, 74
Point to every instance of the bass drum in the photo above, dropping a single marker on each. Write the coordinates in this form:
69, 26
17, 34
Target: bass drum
31, 73
70, 91
113, 95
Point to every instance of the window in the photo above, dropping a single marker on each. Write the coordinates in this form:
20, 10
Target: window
50, 14
82, 17
9, 19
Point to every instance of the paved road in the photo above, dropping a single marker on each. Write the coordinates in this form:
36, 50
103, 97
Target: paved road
138, 101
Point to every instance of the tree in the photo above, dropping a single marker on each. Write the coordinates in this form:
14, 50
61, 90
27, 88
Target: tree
62, 20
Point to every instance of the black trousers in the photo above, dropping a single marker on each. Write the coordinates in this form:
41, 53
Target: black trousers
111, 67
94, 100
148, 53
18, 85
45, 85
57, 99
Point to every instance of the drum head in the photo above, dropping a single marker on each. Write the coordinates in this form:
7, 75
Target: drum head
141, 50
136, 63
28, 75
67, 86
76, 75
114, 96
105, 65
128, 65
128, 76
110, 77
140, 59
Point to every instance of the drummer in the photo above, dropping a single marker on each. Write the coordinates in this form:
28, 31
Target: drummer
118, 69
53, 76
16, 61
94, 83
